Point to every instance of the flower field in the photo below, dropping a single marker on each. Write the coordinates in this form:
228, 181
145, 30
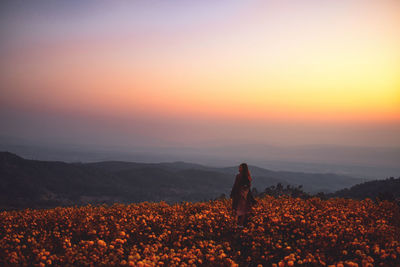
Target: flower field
281, 231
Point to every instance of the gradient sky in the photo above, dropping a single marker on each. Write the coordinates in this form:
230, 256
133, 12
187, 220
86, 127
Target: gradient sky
162, 73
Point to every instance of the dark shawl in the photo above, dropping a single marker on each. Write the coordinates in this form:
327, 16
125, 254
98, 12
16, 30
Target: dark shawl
235, 193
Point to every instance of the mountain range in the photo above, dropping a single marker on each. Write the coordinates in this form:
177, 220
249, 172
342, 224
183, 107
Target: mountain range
26, 183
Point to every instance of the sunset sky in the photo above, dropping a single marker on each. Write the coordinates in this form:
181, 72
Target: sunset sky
177, 73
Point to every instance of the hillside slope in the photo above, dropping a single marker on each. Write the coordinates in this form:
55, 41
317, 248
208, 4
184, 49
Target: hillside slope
387, 188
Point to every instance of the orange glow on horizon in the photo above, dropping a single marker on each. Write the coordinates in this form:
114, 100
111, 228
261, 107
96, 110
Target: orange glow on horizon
280, 67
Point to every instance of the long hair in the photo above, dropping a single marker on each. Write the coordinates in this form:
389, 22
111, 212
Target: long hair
245, 174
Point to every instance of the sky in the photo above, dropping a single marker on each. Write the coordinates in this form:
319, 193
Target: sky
194, 73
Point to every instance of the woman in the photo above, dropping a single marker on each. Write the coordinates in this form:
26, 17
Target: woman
242, 199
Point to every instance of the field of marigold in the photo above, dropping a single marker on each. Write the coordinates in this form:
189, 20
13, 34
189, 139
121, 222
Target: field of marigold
281, 231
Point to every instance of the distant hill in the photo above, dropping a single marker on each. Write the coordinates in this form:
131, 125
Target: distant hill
37, 184
388, 188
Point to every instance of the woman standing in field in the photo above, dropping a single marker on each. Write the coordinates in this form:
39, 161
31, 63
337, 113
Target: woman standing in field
242, 199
